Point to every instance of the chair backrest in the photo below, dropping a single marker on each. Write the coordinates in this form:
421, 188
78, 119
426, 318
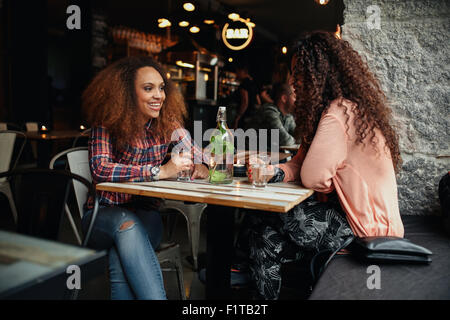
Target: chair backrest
40, 195
31, 126
79, 164
7, 143
78, 160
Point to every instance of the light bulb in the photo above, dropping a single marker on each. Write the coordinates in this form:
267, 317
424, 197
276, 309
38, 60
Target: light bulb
188, 6
233, 16
194, 29
164, 23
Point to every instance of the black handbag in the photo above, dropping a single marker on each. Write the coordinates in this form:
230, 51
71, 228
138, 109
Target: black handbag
389, 250
373, 249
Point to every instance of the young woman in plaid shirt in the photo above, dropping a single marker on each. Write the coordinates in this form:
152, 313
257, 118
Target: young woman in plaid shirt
135, 113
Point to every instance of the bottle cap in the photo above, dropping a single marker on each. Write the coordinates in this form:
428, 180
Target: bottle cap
222, 114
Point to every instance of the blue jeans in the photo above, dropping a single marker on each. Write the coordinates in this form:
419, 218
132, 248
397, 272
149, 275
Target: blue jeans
131, 238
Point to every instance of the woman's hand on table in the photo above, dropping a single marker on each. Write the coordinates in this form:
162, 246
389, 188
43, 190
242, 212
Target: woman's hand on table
200, 171
174, 165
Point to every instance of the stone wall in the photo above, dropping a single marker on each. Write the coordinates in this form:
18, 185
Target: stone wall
409, 52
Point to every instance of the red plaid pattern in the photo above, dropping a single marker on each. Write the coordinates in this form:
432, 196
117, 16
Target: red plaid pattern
131, 163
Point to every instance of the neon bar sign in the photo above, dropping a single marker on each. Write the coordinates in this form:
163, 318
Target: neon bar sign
237, 35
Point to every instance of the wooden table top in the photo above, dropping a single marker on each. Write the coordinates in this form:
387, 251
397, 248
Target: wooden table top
276, 197
52, 135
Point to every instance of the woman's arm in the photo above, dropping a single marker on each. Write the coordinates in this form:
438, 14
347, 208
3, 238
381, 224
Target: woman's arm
327, 153
102, 164
292, 168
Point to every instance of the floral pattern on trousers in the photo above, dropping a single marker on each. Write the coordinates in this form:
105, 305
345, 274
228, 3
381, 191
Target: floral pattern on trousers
274, 239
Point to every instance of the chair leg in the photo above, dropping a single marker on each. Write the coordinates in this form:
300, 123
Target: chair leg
193, 214
173, 256
6, 189
180, 276
72, 223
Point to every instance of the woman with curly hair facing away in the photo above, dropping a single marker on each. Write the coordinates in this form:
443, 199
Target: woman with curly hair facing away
135, 113
349, 155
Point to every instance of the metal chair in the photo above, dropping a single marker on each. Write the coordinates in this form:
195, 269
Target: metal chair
78, 162
10, 126
80, 165
7, 142
193, 214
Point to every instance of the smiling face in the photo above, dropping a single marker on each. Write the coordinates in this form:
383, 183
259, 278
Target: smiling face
150, 94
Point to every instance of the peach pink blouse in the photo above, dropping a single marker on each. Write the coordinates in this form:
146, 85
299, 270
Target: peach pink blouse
363, 178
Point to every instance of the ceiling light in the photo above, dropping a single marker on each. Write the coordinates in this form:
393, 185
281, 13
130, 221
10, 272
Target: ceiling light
284, 50
230, 59
233, 16
183, 23
213, 61
208, 21
194, 29
164, 23
184, 64
188, 6
251, 24
322, 2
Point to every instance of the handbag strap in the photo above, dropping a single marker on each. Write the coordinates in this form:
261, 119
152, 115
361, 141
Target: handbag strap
315, 276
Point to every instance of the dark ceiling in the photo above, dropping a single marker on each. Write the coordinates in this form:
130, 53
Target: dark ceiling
285, 19
276, 21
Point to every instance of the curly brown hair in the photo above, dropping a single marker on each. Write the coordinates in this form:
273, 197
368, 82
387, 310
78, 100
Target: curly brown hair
325, 68
110, 101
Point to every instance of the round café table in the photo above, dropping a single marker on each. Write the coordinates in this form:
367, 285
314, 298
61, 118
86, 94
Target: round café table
44, 141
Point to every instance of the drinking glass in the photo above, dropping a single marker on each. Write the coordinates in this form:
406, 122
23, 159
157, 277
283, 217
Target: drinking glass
185, 175
258, 164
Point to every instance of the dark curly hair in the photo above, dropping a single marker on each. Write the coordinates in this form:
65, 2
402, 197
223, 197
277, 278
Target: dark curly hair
110, 101
325, 68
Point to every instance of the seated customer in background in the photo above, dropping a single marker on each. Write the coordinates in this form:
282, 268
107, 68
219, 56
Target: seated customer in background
278, 115
349, 155
133, 109
248, 98
265, 94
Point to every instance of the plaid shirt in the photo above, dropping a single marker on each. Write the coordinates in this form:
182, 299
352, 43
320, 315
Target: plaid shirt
131, 163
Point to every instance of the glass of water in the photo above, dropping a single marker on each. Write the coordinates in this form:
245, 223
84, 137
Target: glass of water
184, 175
258, 165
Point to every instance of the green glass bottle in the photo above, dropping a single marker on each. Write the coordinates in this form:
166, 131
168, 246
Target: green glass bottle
222, 151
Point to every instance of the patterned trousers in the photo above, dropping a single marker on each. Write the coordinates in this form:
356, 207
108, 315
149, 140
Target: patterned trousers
274, 239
